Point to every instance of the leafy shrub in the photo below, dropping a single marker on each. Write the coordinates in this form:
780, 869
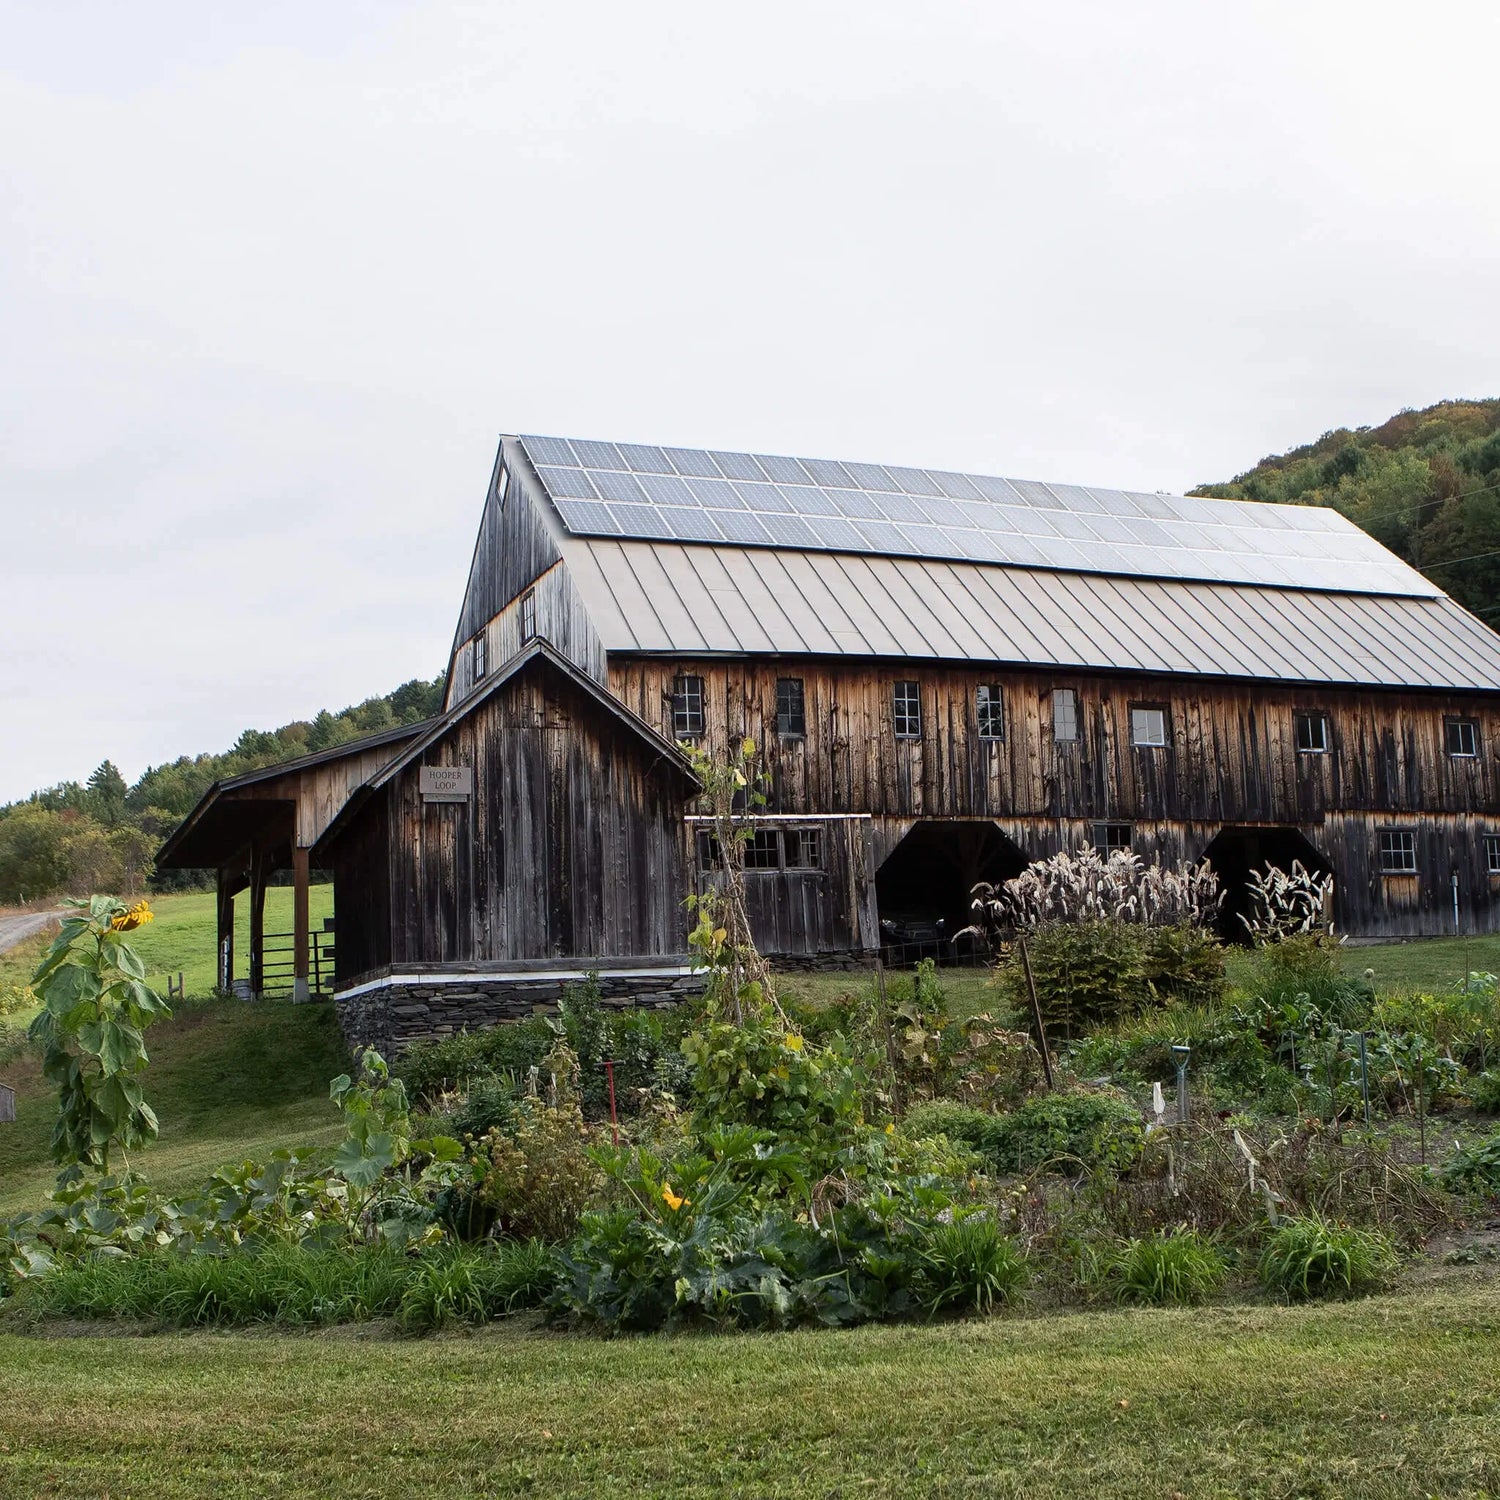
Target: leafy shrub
1475, 1166
763, 1076
539, 1180
1185, 963
453, 1064
1178, 1269
1085, 973
1484, 1091
1071, 1131
12, 1043
1309, 1257
968, 1265
1304, 971
489, 1104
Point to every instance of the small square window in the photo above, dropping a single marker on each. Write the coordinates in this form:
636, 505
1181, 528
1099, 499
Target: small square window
1148, 726
687, 708
763, 851
1461, 736
791, 710
804, 848
481, 658
989, 709
1064, 715
1492, 853
1398, 851
906, 711
1112, 838
528, 615
1312, 734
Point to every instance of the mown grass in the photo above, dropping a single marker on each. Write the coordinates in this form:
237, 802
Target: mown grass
228, 1080
1393, 1397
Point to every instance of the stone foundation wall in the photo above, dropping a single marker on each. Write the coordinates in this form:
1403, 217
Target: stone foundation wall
391, 1016
821, 963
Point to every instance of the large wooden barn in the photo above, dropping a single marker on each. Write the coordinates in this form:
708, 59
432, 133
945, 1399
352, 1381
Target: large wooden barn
951, 675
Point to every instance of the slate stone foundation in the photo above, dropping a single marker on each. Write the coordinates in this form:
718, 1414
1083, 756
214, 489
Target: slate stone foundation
391, 1012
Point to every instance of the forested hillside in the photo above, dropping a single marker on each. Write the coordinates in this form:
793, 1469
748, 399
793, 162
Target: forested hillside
103, 834
1425, 483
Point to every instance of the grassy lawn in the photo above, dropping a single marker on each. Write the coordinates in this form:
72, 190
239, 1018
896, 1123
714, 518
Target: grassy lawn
184, 936
1399, 1396
228, 1080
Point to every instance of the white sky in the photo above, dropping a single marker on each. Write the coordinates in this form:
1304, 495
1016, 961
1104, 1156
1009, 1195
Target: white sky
273, 277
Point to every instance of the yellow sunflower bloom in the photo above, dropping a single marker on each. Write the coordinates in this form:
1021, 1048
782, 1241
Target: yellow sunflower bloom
137, 916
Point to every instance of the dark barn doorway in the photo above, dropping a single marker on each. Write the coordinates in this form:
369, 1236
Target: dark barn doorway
1235, 852
923, 888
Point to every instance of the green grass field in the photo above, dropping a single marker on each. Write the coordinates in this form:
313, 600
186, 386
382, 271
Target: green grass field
228, 1080
1393, 1397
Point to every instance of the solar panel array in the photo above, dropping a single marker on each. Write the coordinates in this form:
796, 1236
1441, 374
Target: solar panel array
692, 495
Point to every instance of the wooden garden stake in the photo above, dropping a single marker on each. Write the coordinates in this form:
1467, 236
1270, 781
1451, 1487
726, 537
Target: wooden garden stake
1036, 1014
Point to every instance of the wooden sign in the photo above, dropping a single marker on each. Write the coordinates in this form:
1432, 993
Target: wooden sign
446, 783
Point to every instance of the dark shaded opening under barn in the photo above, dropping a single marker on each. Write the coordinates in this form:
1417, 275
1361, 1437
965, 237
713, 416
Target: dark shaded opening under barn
924, 888
1235, 852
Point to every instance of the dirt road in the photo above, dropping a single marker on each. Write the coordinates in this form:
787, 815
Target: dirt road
16, 929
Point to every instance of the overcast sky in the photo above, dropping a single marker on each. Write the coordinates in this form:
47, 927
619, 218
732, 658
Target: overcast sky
273, 278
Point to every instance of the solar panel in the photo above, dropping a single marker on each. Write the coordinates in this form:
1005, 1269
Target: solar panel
689, 495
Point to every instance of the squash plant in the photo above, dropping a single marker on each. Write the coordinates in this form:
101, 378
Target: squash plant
96, 1007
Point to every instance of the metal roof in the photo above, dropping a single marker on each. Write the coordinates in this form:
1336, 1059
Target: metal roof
823, 505
670, 597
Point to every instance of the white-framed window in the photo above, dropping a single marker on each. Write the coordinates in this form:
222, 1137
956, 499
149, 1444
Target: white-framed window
791, 708
479, 655
687, 707
1492, 853
528, 615
1148, 725
906, 710
989, 710
1312, 732
1112, 838
1398, 851
1461, 738
1064, 716
769, 849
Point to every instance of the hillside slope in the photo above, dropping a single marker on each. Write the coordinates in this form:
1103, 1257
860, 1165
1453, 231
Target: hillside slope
1426, 484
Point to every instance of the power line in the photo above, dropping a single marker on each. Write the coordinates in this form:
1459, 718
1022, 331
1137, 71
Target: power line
1453, 561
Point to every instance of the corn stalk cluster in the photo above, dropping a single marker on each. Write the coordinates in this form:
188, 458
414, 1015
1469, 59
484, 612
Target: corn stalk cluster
1284, 904
1086, 887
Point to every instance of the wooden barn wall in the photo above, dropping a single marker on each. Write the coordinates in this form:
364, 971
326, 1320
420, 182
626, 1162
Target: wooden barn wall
1231, 755
361, 860
808, 911
513, 549
1231, 760
572, 847
560, 619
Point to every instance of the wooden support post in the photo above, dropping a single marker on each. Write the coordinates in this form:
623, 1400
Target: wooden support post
300, 965
226, 934
258, 874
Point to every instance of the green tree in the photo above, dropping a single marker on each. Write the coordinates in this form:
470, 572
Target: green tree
107, 794
33, 862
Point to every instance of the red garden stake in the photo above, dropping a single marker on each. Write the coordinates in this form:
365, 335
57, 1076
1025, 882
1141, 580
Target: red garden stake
614, 1120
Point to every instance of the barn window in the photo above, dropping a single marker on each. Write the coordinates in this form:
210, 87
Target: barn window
906, 711
687, 707
1492, 853
1148, 725
989, 709
1312, 734
791, 713
803, 848
1112, 838
763, 850
1398, 851
528, 615
1462, 737
1064, 715
480, 656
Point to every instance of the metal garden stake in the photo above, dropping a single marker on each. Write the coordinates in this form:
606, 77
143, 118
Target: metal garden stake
1182, 1054
614, 1122
1364, 1077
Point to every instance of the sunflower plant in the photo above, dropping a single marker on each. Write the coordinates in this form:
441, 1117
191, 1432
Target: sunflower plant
96, 1007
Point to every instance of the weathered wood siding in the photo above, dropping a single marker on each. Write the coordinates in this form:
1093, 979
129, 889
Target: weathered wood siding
1231, 760
572, 847
361, 860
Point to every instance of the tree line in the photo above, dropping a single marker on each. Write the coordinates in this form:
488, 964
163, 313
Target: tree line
102, 834
1426, 484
